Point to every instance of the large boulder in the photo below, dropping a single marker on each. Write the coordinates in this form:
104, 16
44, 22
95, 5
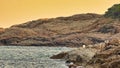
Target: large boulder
78, 56
81, 56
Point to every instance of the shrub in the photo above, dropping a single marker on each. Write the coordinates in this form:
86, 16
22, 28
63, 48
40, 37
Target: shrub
113, 12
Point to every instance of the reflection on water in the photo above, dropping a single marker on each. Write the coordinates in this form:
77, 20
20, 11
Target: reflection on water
30, 57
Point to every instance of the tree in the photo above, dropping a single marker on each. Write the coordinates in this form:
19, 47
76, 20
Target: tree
113, 12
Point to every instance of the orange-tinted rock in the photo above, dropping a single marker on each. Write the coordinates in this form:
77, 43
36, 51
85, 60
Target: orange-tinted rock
1, 30
73, 31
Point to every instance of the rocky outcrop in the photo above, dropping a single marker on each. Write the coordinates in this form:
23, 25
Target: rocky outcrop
76, 30
80, 56
59, 56
103, 55
109, 58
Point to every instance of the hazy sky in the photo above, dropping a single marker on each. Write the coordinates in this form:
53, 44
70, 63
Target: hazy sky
20, 11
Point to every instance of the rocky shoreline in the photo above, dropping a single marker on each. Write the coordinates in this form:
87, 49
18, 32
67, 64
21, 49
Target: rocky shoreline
102, 55
96, 36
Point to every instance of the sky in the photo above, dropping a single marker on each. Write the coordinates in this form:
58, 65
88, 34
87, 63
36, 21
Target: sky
20, 11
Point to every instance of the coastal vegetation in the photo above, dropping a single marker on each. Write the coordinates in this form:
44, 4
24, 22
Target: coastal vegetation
113, 12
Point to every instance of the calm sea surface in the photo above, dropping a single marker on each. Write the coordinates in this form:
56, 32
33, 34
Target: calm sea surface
30, 57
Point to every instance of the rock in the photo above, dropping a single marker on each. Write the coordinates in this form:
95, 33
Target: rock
59, 56
108, 29
114, 41
94, 57
107, 58
80, 56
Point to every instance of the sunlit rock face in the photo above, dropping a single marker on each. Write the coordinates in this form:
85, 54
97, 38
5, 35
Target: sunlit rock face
73, 31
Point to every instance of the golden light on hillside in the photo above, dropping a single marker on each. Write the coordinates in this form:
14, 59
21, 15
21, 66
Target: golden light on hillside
20, 11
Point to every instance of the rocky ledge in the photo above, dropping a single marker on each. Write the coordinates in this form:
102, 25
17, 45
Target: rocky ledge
102, 55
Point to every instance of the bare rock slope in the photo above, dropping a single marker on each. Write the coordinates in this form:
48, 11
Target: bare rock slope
74, 30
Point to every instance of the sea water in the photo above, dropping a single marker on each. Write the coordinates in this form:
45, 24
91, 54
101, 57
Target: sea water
31, 57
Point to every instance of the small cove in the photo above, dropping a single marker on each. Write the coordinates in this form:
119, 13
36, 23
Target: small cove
31, 57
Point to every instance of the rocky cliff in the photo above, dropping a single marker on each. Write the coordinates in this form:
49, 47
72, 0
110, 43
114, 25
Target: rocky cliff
74, 30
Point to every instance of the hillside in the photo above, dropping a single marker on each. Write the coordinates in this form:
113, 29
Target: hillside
74, 30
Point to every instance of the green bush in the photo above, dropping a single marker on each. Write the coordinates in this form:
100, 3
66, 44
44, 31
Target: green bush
113, 12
